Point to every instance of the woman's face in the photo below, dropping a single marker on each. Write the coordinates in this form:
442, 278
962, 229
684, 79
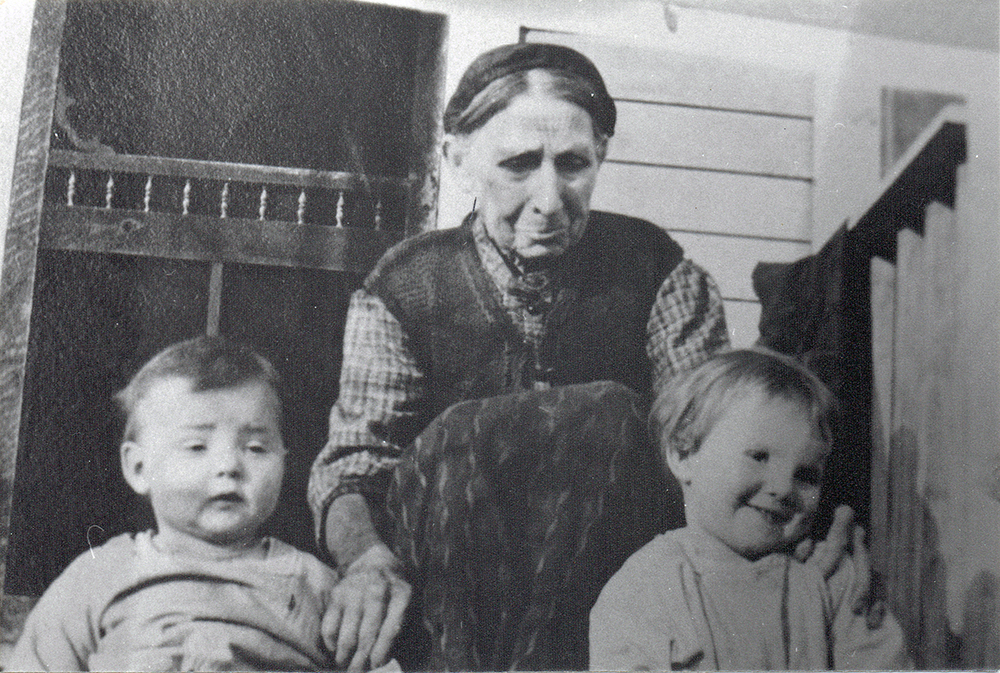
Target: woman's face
532, 169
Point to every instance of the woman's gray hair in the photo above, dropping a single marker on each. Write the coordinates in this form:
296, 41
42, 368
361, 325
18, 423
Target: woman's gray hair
496, 77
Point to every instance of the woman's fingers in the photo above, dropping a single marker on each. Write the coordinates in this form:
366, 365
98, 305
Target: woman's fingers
871, 601
351, 590
372, 614
864, 572
352, 621
330, 625
366, 612
830, 552
399, 598
804, 549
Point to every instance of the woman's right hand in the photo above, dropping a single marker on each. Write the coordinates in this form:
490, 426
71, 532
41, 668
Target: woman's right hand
366, 613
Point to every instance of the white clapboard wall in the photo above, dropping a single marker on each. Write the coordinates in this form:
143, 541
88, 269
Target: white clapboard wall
715, 151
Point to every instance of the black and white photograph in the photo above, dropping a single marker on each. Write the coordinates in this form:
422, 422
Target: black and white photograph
489, 335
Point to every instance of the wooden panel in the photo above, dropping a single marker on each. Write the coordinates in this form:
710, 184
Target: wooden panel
908, 511
944, 418
707, 201
920, 501
883, 315
731, 259
718, 140
222, 171
925, 428
743, 320
645, 73
220, 190
197, 237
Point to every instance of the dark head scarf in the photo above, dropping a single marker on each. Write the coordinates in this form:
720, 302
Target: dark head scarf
513, 58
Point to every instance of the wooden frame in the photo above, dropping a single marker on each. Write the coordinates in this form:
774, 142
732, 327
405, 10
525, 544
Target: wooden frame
21, 249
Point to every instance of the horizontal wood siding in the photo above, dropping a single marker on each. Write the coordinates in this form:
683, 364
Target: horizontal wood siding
731, 259
645, 73
708, 201
743, 320
738, 142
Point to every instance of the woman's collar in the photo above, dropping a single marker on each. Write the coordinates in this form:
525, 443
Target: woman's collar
494, 263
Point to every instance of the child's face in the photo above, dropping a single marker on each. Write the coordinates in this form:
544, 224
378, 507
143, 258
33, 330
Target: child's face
755, 481
211, 462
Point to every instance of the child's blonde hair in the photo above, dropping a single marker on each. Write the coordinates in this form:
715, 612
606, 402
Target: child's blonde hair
210, 362
687, 409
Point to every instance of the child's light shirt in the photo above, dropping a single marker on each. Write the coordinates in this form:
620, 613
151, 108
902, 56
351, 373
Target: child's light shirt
127, 606
685, 601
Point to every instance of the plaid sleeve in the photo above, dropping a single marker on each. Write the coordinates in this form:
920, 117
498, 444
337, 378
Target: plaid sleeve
379, 384
687, 324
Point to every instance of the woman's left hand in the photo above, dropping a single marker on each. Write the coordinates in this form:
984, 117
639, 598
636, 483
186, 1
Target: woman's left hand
843, 539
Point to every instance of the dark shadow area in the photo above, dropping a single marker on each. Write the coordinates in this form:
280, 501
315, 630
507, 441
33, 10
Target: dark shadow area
96, 319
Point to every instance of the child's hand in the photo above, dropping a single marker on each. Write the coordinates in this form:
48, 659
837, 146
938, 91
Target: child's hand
366, 612
844, 538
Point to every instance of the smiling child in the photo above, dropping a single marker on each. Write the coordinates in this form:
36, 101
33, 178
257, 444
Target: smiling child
747, 435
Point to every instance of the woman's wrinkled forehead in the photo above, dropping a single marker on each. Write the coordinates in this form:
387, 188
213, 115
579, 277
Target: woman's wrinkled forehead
514, 63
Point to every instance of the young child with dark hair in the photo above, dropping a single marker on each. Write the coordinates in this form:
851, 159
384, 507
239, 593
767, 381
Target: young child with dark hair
207, 590
747, 435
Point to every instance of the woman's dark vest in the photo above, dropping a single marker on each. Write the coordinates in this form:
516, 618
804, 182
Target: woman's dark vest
465, 342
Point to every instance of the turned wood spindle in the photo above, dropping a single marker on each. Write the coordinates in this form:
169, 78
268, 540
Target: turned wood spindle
71, 188
109, 191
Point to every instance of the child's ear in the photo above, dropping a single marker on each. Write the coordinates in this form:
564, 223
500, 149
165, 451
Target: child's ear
132, 467
680, 465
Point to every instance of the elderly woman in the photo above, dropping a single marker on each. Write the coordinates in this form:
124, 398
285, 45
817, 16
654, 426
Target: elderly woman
553, 324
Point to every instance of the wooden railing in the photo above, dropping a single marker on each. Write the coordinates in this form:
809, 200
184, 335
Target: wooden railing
218, 211
917, 421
